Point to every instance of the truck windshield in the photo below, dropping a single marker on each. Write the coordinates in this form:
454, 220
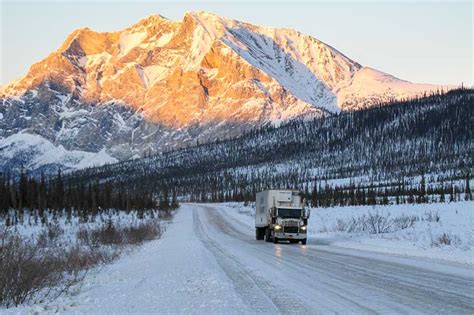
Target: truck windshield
289, 213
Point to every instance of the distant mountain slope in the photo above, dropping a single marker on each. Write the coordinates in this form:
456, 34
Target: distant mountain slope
430, 136
32, 152
163, 84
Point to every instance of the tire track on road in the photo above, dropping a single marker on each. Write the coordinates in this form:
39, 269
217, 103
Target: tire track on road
322, 301
260, 294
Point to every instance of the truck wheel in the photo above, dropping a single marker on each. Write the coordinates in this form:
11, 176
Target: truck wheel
303, 241
259, 234
275, 240
268, 237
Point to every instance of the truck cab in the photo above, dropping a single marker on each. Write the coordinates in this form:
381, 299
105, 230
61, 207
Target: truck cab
281, 215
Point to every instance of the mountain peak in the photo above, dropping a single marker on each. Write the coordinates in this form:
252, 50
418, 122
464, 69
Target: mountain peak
210, 23
208, 68
206, 15
148, 22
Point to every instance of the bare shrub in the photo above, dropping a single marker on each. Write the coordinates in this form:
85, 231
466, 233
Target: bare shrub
446, 239
355, 225
377, 224
431, 216
42, 239
323, 229
341, 226
38, 269
54, 232
165, 214
29, 272
404, 221
80, 258
113, 234
107, 234
144, 231
83, 236
48, 236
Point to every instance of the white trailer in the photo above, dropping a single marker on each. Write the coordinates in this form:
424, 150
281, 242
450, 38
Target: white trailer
281, 215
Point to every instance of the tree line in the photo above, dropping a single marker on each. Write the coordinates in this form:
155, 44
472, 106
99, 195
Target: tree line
56, 194
395, 193
324, 195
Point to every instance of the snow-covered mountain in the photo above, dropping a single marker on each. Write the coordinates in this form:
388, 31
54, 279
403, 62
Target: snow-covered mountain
33, 152
161, 84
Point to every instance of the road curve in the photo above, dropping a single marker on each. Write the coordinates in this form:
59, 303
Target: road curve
293, 278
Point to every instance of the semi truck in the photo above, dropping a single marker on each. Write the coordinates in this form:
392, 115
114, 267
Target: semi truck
281, 215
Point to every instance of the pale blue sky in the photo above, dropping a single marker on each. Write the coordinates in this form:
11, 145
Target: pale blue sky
429, 42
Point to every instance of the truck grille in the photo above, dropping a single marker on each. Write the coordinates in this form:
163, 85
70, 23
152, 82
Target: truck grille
290, 229
292, 223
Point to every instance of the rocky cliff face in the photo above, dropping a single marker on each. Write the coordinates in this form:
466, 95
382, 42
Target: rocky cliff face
160, 84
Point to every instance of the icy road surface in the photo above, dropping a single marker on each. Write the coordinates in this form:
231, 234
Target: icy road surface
291, 278
209, 262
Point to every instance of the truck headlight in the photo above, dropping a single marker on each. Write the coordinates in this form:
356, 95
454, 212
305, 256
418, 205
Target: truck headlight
277, 227
303, 228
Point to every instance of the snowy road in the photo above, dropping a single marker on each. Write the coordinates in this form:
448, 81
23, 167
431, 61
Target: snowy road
320, 279
209, 262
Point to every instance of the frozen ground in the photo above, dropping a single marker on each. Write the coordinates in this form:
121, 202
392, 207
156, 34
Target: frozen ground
209, 262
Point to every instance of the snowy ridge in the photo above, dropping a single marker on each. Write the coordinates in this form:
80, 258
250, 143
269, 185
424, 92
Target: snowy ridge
34, 153
293, 75
372, 85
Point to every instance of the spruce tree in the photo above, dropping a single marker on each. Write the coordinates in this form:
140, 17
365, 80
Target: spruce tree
467, 189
